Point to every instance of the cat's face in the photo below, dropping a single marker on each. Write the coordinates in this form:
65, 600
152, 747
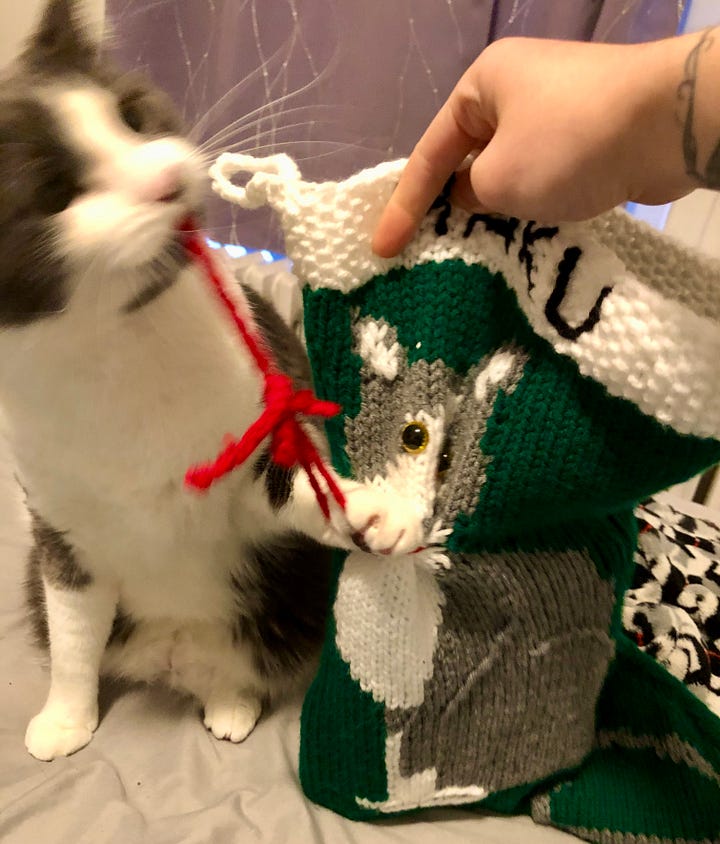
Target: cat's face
95, 177
419, 428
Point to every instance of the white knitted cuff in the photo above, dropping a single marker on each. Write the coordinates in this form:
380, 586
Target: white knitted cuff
635, 310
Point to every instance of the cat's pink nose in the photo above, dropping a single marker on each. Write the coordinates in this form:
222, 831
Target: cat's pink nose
156, 171
167, 185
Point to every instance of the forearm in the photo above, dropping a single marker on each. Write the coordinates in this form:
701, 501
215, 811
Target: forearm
682, 135
699, 101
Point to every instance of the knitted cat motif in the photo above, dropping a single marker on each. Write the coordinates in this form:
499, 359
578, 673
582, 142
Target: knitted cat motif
402, 621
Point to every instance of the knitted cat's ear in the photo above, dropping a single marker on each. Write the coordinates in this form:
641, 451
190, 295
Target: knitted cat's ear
499, 372
62, 40
379, 349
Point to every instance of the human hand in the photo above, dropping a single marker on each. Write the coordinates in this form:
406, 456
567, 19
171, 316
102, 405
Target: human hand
556, 130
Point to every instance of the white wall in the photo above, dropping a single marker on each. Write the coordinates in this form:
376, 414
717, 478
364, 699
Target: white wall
702, 13
17, 18
695, 219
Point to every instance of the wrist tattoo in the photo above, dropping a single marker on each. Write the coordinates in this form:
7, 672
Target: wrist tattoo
709, 173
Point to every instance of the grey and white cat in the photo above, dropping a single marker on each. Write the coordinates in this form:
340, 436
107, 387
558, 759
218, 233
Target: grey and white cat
118, 371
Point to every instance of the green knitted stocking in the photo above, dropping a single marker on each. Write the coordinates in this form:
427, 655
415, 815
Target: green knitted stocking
518, 388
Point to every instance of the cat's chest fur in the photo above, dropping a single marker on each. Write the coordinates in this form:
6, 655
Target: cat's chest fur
120, 413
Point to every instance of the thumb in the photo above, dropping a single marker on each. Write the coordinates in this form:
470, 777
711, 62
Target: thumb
463, 193
486, 185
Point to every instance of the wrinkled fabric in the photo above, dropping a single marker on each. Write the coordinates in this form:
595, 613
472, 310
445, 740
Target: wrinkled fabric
672, 611
153, 774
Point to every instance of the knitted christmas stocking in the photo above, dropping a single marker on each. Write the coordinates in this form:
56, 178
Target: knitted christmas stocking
518, 387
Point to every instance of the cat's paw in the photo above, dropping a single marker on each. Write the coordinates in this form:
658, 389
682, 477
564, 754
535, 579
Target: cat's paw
382, 523
51, 734
232, 716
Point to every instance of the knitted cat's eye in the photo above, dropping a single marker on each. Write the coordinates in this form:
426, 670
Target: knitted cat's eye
415, 437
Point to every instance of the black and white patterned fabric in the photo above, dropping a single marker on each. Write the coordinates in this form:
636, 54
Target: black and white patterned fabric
672, 609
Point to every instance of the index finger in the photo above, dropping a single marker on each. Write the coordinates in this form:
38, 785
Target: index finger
439, 152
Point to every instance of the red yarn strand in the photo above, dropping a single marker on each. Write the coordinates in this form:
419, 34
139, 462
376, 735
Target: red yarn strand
196, 246
290, 444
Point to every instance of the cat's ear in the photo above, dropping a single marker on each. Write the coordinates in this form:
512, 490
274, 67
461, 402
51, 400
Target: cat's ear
62, 40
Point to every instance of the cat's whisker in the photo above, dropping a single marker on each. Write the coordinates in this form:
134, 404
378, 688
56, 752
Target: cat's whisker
255, 141
298, 144
335, 146
266, 108
132, 10
202, 121
244, 124
285, 51
236, 89
330, 115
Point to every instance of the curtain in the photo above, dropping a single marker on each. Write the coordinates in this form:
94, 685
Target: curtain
338, 84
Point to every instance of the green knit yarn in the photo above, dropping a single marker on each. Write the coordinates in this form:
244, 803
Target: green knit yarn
351, 720
539, 494
612, 793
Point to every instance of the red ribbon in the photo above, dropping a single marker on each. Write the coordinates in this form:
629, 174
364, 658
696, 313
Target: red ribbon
289, 443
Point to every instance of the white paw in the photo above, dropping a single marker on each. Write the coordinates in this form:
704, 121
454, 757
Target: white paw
382, 523
232, 716
51, 734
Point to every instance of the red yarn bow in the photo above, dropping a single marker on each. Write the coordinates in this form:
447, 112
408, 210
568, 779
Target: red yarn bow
289, 444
